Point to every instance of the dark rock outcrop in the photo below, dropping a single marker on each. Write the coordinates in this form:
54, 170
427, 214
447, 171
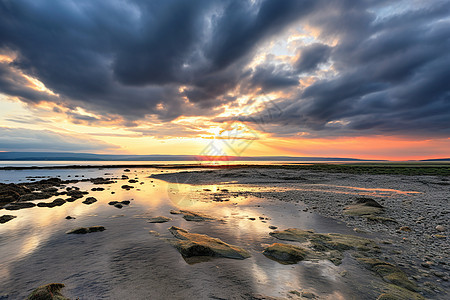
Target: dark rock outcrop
6, 218
159, 219
19, 205
51, 291
89, 200
56, 202
84, 230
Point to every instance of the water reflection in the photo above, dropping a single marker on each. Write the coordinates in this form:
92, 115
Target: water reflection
126, 260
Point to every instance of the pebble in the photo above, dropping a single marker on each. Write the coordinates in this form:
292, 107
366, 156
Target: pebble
440, 228
405, 228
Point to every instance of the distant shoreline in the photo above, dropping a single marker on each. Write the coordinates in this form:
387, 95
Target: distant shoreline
393, 168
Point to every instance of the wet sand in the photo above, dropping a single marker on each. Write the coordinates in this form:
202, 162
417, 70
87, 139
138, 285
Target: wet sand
132, 259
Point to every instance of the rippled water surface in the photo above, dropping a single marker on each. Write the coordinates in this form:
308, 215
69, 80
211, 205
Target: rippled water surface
127, 262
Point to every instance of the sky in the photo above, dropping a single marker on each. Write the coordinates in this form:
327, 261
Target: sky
337, 78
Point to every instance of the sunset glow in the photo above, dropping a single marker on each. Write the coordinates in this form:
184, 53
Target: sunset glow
299, 87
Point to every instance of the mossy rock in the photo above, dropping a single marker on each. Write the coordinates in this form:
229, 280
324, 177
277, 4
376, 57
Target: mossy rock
329, 246
326, 242
368, 202
285, 254
194, 244
195, 216
389, 273
51, 291
84, 230
394, 292
297, 235
362, 210
159, 219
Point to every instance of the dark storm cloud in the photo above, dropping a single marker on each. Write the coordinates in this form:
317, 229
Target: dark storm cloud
273, 77
389, 79
311, 56
126, 57
138, 58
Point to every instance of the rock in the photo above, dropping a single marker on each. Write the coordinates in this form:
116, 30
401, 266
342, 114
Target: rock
101, 180
51, 291
440, 228
368, 202
83, 230
56, 202
273, 227
362, 210
12, 192
89, 200
159, 219
195, 217
155, 233
252, 219
309, 295
77, 194
175, 212
389, 273
133, 181
97, 189
438, 274
284, 253
119, 204
405, 228
329, 245
193, 244
69, 218
126, 170
19, 205
6, 218
127, 187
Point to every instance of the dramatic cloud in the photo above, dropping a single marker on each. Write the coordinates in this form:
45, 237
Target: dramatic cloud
21, 139
353, 67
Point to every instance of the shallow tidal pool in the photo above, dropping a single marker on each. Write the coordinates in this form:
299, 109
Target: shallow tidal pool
132, 258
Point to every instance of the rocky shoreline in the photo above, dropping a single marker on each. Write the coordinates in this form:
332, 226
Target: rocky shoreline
400, 221
412, 219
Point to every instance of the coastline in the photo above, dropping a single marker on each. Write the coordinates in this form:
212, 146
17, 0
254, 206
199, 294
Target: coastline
294, 196
413, 207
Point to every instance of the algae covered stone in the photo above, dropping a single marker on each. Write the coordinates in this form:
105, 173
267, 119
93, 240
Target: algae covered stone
328, 241
84, 230
389, 273
330, 245
285, 253
194, 244
195, 216
393, 292
51, 291
364, 207
159, 219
